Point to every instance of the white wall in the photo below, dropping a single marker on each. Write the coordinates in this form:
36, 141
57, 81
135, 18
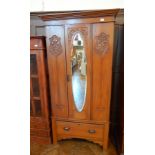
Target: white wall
62, 5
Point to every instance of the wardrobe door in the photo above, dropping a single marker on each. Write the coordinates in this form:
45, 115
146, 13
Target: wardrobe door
78, 54
102, 69
57, 70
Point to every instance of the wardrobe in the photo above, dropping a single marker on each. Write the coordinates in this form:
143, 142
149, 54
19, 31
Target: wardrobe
80, 54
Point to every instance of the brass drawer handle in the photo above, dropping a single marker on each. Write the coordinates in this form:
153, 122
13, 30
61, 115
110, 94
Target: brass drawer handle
66, 128
92, 131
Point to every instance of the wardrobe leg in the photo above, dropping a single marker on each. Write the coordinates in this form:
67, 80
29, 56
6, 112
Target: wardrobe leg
105, 145
106, 137
54, 135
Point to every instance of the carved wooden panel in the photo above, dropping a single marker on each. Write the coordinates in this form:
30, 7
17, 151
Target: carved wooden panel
74, 30
55, 46
102, 70
102, 43
57, 70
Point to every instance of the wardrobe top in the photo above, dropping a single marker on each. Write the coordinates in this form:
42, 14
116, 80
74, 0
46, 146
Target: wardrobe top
60, 15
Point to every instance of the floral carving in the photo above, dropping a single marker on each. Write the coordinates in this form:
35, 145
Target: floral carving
102, 43
73, 30
55, 46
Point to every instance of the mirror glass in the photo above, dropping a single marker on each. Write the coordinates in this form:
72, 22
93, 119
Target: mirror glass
79, 72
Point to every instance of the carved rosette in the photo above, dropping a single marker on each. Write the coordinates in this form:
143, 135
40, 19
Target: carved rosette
55, 47
102, 43
73, 30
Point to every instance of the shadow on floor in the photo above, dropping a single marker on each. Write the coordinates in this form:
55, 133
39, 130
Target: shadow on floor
71, 147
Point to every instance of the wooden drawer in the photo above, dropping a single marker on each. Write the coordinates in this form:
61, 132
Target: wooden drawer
80, 130
37, 43
39, 123
40, 133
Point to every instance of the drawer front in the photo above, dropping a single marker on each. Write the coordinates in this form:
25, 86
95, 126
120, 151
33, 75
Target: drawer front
40, 133
37, 44
39, 123
80, 130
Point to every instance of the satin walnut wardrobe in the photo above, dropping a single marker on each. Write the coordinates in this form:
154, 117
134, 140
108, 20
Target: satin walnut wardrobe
80, 53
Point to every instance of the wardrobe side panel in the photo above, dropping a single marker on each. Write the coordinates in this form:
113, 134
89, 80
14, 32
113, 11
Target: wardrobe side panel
102, 70
57, 70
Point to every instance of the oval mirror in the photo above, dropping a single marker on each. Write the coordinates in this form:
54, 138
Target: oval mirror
79, 72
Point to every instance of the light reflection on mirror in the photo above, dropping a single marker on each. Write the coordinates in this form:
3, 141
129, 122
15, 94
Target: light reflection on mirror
79, 75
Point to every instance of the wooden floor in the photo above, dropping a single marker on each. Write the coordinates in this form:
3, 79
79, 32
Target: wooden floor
71, 147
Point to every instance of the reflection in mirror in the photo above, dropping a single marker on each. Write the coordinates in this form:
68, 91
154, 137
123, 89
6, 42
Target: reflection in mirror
79, 75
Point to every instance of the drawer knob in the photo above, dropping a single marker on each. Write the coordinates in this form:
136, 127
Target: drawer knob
35, 45
92, 131
66, 128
